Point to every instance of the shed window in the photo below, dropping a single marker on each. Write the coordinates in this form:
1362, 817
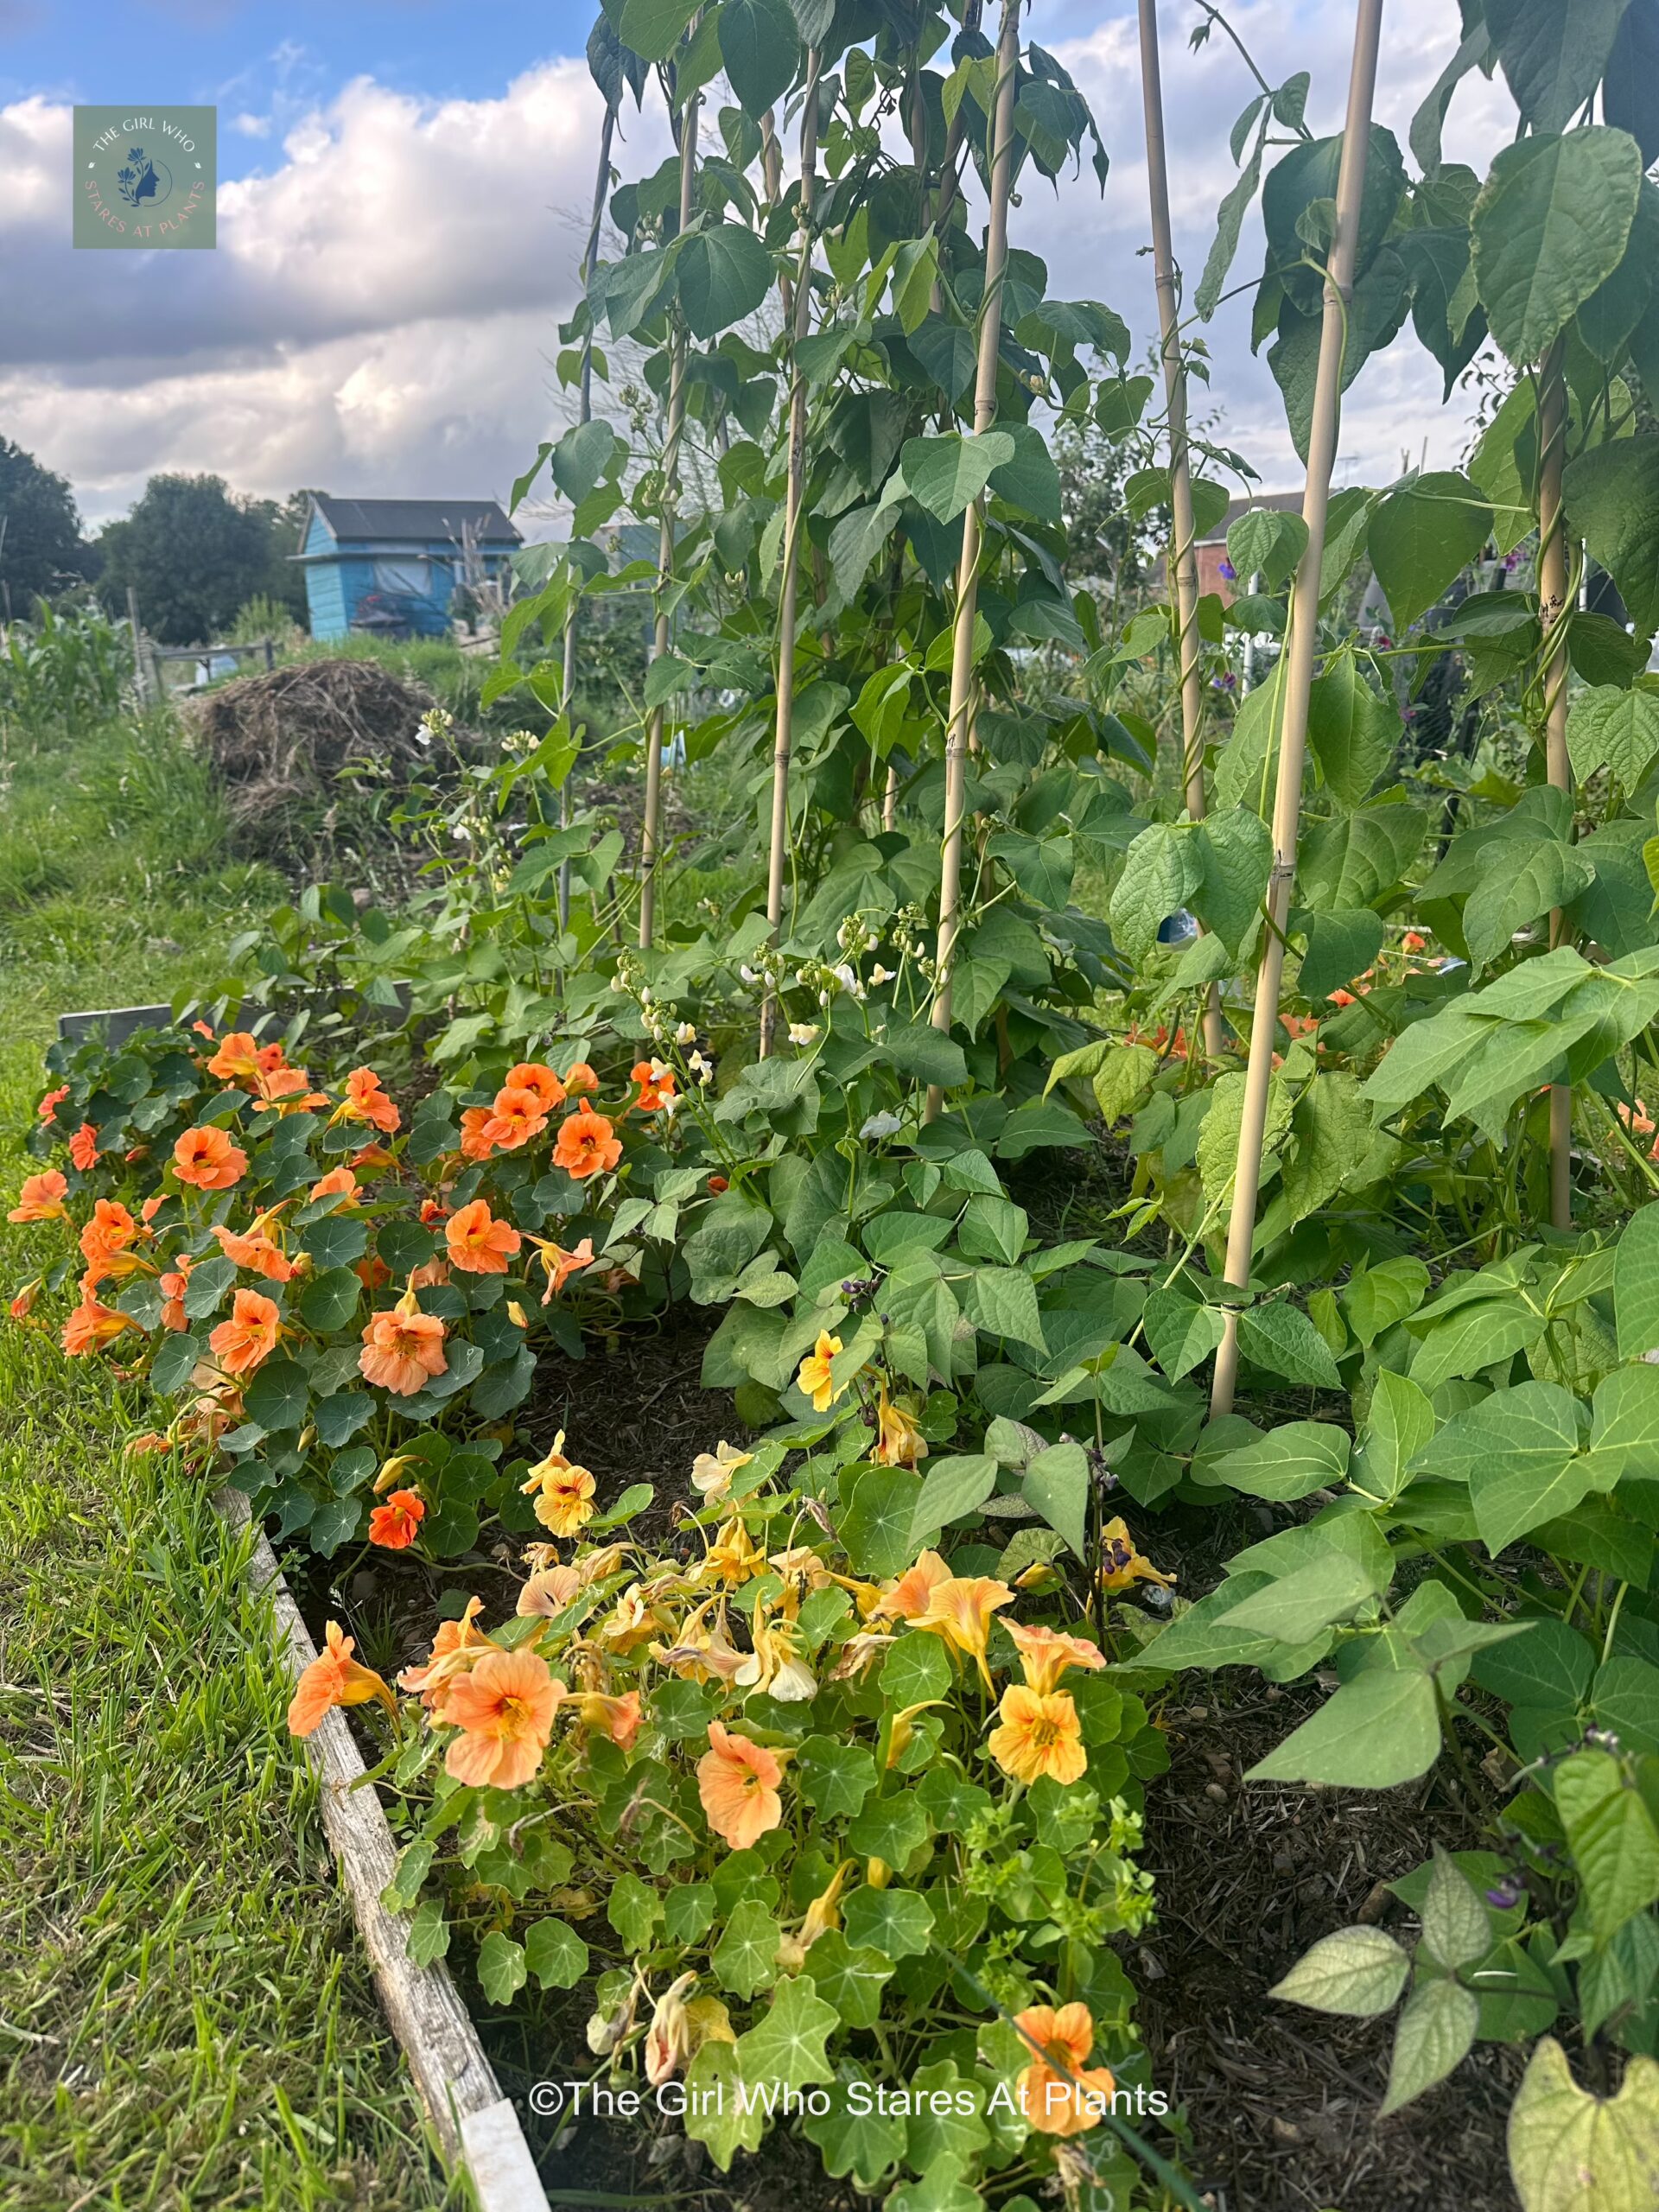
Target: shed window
403, 577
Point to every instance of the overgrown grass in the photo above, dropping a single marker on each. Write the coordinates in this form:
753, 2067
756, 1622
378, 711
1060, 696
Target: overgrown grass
185, 2017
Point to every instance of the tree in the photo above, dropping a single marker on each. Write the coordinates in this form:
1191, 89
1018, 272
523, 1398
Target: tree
193, 552
40, 544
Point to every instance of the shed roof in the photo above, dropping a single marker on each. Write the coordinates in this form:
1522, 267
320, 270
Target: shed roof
1284, 503
379, 521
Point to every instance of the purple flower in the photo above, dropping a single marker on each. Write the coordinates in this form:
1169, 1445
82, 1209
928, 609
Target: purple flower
1228, 570
1506, 1891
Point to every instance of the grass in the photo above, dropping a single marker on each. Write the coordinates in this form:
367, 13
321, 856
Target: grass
186, 2019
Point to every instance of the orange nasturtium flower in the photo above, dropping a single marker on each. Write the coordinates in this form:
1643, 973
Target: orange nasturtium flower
959, 1611
1045, 1655
209, 1159
23, 1304
619, 1717
338, 1183
403, 1348
83, 1146
536, 1075
504, 1709
899, 1441
578, 1077
41, 1197
396, 1524
478, 1243
814, 1380
737, 1782
911, 1594
516, 1116
240, 1057
257, 1249
561, 1265
335, 1678
563, 1491
1059, 2092
474, 1143
1121, 1564
457, 1647
173, 1287
91, 1326
656, 1085
586, 1145
1038, 1734
248, 1338
48, 1105
366, 1101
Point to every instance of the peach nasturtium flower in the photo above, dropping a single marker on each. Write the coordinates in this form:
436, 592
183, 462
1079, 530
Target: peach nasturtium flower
619, 1717
237, 1058
1039, 1733
737, 1782
83, 1146
562, 1490
536, 1075
815, 1380
959, 1611
366, 1100
1059, 2092
209, 1159
899, 1441
41, 1197
1120, 1562
559, 1265
335, 1678
911, 1594
403, 1348
1045, 1655
396, 1524
585, 1145
248, 1338
548, 1591
580, 1077
457, 1648
173, 1287
91, 1326
478, 1243
504, 1707
338, 1183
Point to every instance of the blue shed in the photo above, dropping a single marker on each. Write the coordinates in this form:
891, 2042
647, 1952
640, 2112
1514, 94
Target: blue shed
408, 555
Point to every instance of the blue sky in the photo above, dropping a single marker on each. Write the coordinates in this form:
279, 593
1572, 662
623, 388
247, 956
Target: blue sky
403, 184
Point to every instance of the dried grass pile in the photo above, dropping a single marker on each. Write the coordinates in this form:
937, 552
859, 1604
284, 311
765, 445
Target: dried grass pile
279, 744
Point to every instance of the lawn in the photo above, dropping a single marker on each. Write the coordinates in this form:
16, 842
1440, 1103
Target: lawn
185, 2019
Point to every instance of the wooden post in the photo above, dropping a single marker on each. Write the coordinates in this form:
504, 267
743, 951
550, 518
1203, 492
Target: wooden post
800, 320
649, 837
1554, 611
1297, 666
961, 657
584, 414
1183, 556
137, 645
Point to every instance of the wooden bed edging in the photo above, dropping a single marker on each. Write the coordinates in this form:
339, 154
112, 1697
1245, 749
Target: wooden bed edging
476, 2125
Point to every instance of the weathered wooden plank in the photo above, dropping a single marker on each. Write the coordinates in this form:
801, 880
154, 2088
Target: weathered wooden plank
475, 2124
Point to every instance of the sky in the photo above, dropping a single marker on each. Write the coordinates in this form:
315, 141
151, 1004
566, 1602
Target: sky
404, 187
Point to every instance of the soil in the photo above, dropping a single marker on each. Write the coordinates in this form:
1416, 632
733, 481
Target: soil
1279, 2105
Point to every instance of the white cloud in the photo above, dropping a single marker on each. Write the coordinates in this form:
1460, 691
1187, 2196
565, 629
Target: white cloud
381, 310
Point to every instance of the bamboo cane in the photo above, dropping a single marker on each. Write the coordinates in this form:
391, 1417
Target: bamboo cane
962, 656
1299, 673
1554, 610
584, 414
1183, 557
793, 497
649, 838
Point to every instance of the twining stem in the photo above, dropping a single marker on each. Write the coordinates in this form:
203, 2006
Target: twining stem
1183, 557
799, 312
584, 414
1554, 611
650, 829
989, 335
1298, 661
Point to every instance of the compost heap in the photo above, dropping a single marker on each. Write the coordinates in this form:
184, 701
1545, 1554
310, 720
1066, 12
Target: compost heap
279, 743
